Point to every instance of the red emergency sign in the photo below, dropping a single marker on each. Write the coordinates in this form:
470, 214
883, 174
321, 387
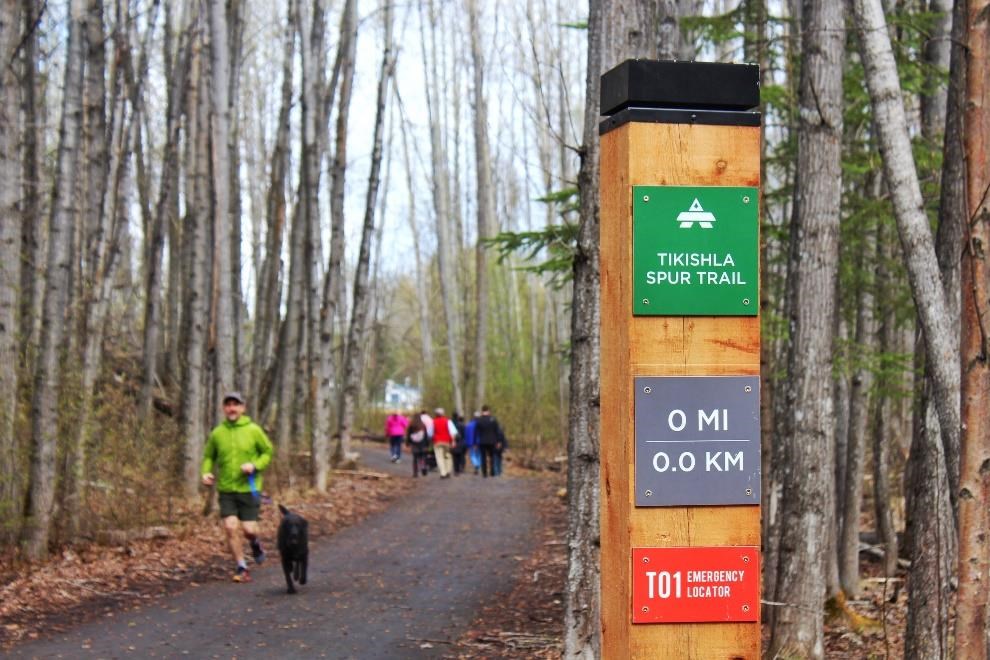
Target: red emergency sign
698, 584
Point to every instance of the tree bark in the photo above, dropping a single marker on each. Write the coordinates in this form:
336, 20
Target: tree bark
668, 30
937, 51
32, 215
11, 130
974, 482
195, 242
225, 349
44, 406
582, 608
932, 472
486, 206
333, 280
807, 498
882, 423
860, 393
931, 537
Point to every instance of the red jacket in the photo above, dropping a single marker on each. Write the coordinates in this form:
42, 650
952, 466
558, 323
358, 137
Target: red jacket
441, 431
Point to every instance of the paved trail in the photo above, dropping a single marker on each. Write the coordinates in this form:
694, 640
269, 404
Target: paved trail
396, 585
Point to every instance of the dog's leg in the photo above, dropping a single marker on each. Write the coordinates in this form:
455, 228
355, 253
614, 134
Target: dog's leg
287, 569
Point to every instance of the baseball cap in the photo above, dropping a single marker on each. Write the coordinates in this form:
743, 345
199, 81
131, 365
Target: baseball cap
236, 396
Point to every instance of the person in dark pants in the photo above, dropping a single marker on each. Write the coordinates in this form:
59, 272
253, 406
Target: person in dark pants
459, 450
497, 456
419, 444
490, 439
395, 429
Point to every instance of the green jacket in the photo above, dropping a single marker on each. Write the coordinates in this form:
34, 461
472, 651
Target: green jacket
232, 444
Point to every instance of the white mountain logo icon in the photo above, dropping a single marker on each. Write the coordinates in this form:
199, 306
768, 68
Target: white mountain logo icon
695, 214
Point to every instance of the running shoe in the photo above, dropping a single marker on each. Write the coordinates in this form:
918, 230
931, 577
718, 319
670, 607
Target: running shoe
257, 552
242, 575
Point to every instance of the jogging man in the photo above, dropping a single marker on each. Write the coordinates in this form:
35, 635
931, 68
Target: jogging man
236, 454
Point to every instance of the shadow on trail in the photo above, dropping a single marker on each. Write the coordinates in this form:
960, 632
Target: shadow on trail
400, 584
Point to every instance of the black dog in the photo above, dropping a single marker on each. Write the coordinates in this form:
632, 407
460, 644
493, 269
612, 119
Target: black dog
293, 545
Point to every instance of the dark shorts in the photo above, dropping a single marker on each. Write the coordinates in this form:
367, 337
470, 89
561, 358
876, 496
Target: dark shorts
242, 505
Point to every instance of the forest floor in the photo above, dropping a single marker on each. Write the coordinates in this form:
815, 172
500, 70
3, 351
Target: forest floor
525, 621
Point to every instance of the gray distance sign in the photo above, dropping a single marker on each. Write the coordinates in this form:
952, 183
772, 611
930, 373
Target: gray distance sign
697, 440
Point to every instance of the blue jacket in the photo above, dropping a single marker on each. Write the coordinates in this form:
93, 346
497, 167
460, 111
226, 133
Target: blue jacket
470, 438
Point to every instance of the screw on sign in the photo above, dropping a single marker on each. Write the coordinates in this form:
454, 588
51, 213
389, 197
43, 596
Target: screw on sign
695, 584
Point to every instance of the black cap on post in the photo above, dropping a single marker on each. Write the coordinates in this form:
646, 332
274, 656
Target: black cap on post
680, 92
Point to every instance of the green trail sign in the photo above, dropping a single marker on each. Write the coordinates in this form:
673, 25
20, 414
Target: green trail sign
695, 251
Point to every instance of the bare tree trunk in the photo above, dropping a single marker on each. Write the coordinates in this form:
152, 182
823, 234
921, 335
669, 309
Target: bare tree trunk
355, 339
44, 407
974, 482
195, 314
932, 472
882, 413
312, 30
268, 298
226, 355
859, 408
333, 280
441, 207
235, 38
931, 537
11, 129
32, 215
486, 206
582, 608
807, 497
311, 26
912, 222
176, 58
937, 56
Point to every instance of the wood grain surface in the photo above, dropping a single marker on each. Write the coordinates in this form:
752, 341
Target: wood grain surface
664, 154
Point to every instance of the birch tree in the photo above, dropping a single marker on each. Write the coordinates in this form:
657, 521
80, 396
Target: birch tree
226, 350
312, 21
486, 204
333, 280
807, 498
195, 314
44, 405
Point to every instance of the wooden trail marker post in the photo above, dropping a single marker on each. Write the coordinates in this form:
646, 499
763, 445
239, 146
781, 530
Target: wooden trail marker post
680, 361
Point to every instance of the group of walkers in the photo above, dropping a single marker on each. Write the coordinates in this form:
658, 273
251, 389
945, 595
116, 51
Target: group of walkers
238, 451
449, 440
